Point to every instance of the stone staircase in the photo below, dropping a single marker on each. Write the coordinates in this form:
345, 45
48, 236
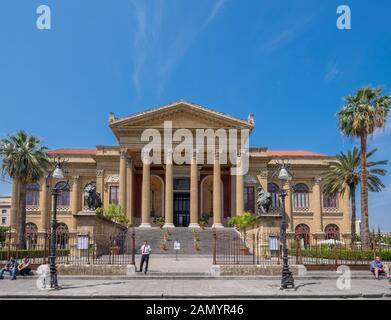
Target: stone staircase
155, 237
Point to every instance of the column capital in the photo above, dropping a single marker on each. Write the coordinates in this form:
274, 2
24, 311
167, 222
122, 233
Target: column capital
317, 180
100, 172
123, 153
264, 174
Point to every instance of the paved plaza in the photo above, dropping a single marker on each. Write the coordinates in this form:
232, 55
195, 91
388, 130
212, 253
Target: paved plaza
203, 288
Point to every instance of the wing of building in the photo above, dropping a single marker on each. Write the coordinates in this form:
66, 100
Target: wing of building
182, 193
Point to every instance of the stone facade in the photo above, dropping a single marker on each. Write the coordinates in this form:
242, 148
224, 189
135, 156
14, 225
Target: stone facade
146, 191
5, 209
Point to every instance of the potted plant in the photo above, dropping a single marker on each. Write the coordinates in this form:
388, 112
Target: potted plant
115, 249
166, 235
163, 245
204, 220
160, 221
197, 246
241, 223
196, 235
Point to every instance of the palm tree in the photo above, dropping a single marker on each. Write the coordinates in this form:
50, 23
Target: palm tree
361, 115
25, 161
345, 173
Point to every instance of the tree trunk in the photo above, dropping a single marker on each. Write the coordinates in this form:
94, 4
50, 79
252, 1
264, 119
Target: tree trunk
22, 217
364, 194
353, 204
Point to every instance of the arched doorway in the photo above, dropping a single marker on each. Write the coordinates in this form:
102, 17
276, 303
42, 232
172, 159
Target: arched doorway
62, 235
332, 232
31, 235
302, 233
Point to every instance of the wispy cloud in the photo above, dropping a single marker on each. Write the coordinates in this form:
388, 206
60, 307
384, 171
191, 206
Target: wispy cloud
285, 36
215, 11
332, 71
159, 44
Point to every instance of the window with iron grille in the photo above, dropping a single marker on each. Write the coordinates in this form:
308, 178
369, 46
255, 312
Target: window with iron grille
330, 201
113, 196
63, 199
273, 189
32, 194
301, 196
249, 199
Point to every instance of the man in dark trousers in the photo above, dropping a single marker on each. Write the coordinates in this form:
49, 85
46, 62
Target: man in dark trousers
145, 251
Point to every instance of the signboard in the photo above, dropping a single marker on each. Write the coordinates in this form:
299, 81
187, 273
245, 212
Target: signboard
82, 241
177, 245
274, 243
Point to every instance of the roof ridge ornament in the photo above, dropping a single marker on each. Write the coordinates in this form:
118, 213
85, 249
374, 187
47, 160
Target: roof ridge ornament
251, 119
112, 117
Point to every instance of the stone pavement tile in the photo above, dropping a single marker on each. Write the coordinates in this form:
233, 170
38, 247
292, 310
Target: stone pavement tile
194, 288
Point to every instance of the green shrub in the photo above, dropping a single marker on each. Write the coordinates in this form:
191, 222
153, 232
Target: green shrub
243, 221
343, 254
115, 213
160, 221
31, 253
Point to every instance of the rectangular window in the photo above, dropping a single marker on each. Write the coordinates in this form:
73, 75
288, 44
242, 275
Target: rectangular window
3, 220
3, 211
249, 203
181, 184
113, 197
330, 202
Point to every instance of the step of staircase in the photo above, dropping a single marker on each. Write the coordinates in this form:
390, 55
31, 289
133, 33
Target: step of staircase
155, 238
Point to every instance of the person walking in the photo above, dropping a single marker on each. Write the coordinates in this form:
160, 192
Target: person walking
145, 251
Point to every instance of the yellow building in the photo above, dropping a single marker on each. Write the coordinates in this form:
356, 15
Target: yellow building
183, 193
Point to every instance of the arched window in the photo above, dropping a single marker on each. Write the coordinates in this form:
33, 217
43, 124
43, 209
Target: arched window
32, 194
273, 189
330, 201
31, 235
62, 233
302, 232
64, 196
332, 232
301, 197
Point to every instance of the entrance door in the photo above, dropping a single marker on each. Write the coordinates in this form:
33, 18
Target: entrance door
181, 209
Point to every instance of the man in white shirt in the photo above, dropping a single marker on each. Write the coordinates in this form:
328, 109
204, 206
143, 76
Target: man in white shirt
145, 251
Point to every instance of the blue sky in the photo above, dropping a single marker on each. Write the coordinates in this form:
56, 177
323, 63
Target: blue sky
283, 60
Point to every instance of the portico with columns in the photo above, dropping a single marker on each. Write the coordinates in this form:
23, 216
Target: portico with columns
182, 193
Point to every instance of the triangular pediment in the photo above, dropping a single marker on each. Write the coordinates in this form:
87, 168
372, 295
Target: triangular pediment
182, 115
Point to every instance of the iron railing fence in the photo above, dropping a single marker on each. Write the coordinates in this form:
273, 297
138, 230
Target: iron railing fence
71, 248
264, 248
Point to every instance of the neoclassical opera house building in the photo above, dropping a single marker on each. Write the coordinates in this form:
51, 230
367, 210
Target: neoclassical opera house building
183, 193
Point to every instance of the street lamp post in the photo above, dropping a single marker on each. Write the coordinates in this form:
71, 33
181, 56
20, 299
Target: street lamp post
57, 173
287, 277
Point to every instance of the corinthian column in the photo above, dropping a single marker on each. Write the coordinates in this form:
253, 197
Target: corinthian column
129, 190
217, 193
317, 207
169, 214
122, 179
146, 194
75, 202
44, 206
194, 192
239, 188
